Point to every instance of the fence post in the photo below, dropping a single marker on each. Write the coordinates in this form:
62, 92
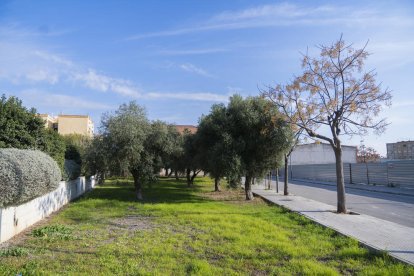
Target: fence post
388, 176
350, 173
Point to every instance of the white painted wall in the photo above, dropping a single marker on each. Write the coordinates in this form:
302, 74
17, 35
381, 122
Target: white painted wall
15, 219
320, 154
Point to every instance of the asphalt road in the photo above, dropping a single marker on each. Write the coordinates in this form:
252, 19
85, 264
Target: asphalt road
391, 207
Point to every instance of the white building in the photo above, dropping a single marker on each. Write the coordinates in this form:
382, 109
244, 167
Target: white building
321, 153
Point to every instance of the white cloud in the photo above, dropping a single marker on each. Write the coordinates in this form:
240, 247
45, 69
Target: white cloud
407, 103
192, 52
42, 75
285, 10
234, 90
188, 67
104, 83
392, 53
53, 58
44, 99
18, 31
285, 14
93, 80
209, 97
26, 63
21, 62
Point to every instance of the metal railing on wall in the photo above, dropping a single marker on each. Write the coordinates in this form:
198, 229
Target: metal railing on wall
391, 173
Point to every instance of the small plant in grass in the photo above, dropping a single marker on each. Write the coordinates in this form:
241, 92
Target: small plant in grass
14, 251
56, 231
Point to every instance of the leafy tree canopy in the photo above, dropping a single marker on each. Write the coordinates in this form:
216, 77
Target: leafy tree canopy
20, 127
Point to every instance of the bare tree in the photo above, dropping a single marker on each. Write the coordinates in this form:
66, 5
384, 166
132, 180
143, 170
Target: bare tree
335, 96
297, 132
296, 137
367, 155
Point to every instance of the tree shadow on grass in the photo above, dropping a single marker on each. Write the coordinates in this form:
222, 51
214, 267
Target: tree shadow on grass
163, 191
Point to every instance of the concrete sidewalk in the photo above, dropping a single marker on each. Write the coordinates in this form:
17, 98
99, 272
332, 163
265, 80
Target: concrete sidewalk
397, 240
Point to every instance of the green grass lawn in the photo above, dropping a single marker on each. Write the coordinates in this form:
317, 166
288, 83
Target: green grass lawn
179, 231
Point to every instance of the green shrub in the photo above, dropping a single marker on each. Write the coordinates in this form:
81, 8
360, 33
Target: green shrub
76, 145
54, 145
26, 174
13, 251
72, 170
72, 153
57, 231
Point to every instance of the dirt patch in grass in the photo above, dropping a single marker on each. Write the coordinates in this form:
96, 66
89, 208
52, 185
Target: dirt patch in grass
131, 223
235, 196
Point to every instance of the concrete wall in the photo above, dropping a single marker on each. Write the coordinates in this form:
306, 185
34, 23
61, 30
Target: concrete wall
15, 219
320, 154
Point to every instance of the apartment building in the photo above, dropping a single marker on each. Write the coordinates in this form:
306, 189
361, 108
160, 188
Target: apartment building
69, 124
400, 150
181, 128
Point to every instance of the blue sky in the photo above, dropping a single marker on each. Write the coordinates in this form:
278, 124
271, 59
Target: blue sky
177, 58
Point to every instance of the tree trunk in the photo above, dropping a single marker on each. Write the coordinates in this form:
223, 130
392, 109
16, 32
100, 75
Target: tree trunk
277, 180
188, 171
176, 175
171, 172
166, 172
217, 184
195, 173
340, 184
248, 187
286, 180
138, 187
101, 178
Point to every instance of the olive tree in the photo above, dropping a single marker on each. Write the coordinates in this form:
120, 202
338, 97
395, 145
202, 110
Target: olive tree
260, 134
216, 147
190, 160
96, 158
332, 97
124, 133
159, 145
169, 158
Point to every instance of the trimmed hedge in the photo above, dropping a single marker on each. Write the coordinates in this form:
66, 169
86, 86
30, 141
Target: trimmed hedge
26, 174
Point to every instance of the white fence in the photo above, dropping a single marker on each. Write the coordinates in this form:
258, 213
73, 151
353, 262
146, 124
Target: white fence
15, 219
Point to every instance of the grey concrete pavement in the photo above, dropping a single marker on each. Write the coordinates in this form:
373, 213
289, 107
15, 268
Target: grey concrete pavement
393, 207
396, 239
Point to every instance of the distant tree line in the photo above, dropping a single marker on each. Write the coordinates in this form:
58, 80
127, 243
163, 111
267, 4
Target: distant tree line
248, 137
